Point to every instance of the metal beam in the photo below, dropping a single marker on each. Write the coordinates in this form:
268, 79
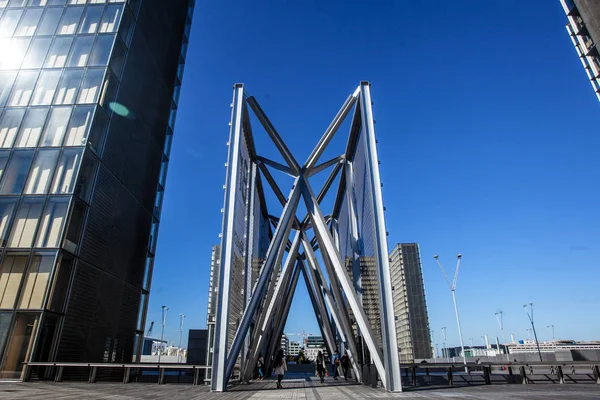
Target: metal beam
386, 302
353, 225
281, 234
324, 190
266, 317
330, 131
336, 307
276, 165
325, 165
285, 152
219, 379
328, 249
276, 190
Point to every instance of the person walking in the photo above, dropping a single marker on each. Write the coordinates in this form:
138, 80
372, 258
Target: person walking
321, 366
280, 367
345, 364
335, 364
259, 365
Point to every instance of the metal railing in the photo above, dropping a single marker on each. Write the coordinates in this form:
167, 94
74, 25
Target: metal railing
130, 372
422, 374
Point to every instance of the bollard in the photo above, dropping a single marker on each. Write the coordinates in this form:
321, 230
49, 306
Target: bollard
523, 375
414, 376
560, 375
487, 375
126, 375
373, 376
26, 376
59, 374
450, 377
596, 371
92, 378
196, 376
161, 376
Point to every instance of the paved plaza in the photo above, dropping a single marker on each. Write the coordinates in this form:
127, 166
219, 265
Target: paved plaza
295, 388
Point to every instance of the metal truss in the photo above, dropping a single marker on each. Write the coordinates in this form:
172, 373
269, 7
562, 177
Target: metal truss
333, 293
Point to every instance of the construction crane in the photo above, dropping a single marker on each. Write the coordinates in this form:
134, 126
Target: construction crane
150, 329
304, 335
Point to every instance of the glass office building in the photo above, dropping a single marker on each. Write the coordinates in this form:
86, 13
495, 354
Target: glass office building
88, 98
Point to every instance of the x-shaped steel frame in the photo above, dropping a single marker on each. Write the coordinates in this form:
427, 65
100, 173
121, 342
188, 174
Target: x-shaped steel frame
274, 287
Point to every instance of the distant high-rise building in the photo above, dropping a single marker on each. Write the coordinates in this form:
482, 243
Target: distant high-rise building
294, 349
285, 344
410, 308
584, 28
89, 91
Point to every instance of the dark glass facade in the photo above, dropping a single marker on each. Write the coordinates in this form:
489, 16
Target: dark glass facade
88, 99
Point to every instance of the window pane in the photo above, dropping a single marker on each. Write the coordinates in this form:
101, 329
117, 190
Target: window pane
75, 226
29, 22
86, 178
37, 3
90, 89
37, 53
23, 88
81, 51
98, 131
41, 172
16, 172
70, 20
56, 127
32, 127
7, 210
59, 52
36, 280
26, 222
4, 155
17, 3
9, 126
91, 19
13, 51
9, 22
6, 82
11, 274
79, 126
111, 18
101, 51
45, 89
61, 284
57, 2
76, 2
49, 21
67, 90
66, 171
53, 222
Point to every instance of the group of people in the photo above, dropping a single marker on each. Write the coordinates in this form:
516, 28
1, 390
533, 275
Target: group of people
280, 366
336, 363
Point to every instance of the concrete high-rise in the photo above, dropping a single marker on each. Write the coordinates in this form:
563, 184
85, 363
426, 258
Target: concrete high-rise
584, 28
89, 91
410, 308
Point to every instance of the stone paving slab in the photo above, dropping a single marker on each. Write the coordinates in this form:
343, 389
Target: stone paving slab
294, 389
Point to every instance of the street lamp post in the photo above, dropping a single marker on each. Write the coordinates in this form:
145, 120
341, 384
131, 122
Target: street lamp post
181, 319
445, 349
165, 311
500, 319
551, 326
530, 316
452, 287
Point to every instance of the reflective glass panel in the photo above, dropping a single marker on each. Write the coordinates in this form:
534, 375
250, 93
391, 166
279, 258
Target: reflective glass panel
46, 87
7, 210
81, 51
101, 52
90, 89
91, 19
67, 89
16, 172
36, 280
23, 88
31, 128
49, 21
41, 172
29, 22
59, 51
13, 51
70, 21
11, 273
9, 126
111, 18
52, 222
9, 22
56, 127
26, 222
66, 171
79, 126
37, 53
6, 82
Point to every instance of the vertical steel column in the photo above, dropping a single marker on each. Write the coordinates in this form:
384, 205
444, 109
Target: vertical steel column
388, 323
219, 380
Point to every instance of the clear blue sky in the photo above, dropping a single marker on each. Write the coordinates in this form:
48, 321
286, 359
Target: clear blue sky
488, 138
